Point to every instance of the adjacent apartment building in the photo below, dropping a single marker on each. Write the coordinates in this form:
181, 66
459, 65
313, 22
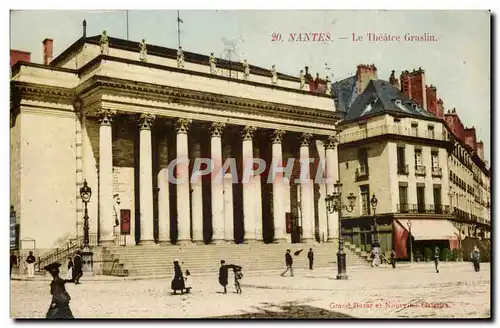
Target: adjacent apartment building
398, 145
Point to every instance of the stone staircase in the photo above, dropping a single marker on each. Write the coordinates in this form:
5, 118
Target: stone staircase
156, 260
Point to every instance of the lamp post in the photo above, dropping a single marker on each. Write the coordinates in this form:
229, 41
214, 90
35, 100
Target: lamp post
334, 204
411, 242
85, 194
375, 243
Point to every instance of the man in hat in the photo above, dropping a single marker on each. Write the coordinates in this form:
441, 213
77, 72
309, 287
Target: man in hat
289, 263
30, 264
223, 275
77, 267
59, 306
310, 257
178, 281
436, 259
476, 257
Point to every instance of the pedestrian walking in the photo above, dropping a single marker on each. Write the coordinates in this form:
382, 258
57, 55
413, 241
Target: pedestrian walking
30, 264
178, 281
310, 257
372, 257
77, 271
289, 263
476, 257
187, 282
69, 273
393, 259
436, 259
223, 275
59, 306
238, 275
13, 261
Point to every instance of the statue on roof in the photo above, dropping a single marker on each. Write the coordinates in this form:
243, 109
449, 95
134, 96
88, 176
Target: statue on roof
302, 79
213, 63
143, 54
180, 58
274, 75
328, 89
246, 69
104, 43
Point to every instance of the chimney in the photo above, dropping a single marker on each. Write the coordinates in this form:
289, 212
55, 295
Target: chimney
413, 85
480, 150
47, 51
17, 55
470, 137
364, 74
431, 98
84, 29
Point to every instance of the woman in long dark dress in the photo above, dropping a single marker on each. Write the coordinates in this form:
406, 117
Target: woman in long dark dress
59, 306
223, 275
178, 281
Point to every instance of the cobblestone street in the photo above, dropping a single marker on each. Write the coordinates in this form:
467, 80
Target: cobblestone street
415, 291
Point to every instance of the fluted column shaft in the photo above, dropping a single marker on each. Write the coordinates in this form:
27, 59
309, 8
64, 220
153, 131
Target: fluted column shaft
249, 195
182, 187
106, 178
146, 179
306, 190
197, 198
278, 194
217, 187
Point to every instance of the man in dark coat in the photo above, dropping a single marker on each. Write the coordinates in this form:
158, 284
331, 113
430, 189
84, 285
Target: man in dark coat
289, 263
77, 267
310, 256
13, 262
393, 259
223, 275
59, 306
476, 257
436, 258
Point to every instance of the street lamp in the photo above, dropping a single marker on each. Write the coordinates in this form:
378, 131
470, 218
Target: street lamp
411, 242
85, 194
334, 204
375, 243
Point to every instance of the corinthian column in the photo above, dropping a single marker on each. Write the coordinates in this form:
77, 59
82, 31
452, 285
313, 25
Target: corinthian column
216, 130
182, 168
197, 198
106, 177
146, 179
249, 195
306, 190
278, 194
332, 175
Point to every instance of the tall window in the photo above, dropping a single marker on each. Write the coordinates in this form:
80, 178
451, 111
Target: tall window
435, 159
418, 156
365, 200
401, 160
363, 161
430, 131
421, 199
403, 199
437, 199
414, 129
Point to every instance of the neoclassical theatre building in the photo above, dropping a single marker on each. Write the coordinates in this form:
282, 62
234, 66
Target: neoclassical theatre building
116, 113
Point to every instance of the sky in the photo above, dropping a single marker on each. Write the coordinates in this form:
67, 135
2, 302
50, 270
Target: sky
457, 63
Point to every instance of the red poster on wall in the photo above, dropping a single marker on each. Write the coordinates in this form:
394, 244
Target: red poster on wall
400, 240
125, 222
288, 222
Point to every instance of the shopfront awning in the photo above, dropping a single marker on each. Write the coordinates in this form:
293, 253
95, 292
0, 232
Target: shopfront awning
431, 229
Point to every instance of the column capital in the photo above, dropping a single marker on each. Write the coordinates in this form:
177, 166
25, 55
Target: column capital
305, 139
277, 136
331, 142
146, 121
182, 125
105, 116
248, 132
216, 129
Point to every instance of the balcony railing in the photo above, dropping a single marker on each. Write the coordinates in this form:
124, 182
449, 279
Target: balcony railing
423, 209
390, 129
362, 172
419, 170
437, 172
403, 169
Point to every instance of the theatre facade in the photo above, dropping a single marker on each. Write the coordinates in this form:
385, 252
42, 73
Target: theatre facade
125, 119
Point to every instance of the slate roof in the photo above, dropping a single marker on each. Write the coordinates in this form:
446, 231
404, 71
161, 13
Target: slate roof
345, 92
381, 97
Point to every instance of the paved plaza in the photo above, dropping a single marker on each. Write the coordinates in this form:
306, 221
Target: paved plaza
410, 291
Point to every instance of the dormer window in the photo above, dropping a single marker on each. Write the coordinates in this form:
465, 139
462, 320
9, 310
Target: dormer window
414, 106
398, 102
374, 101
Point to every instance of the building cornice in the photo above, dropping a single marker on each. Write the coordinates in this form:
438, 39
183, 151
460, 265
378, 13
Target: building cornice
397, 137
